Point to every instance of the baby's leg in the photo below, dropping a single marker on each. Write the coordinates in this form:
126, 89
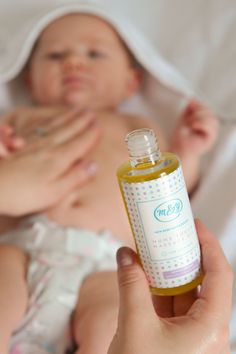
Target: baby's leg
96, 313
13, 292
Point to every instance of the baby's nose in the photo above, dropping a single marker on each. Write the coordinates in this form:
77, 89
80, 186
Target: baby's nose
74, 60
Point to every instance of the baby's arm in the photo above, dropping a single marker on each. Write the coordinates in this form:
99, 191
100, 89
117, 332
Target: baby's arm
9, 143
195, 134
13, 294
96, 314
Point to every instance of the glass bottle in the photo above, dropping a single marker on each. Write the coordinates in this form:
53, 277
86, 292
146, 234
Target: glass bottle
159, 212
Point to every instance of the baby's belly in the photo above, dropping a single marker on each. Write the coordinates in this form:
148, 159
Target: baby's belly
97, 214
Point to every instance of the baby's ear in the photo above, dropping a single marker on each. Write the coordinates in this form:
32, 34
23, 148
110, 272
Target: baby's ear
134, 81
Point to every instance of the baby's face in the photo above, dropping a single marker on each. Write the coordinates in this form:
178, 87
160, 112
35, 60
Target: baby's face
80, 61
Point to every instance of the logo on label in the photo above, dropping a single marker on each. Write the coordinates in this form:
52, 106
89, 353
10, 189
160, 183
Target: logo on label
169, 210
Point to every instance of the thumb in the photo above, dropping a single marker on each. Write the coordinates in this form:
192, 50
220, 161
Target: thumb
135, 298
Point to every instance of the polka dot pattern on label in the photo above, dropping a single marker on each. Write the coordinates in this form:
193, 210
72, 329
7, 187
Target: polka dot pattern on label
164, 229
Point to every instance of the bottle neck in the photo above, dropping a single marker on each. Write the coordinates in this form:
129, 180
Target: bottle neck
151, 159
143, 147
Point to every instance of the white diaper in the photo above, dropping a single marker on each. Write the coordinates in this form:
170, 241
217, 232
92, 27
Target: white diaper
60, 259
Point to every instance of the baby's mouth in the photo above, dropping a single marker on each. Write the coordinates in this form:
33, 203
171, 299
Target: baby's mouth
74, 81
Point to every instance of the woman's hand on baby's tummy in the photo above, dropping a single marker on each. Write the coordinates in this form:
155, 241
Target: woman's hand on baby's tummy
50, 166
196, 130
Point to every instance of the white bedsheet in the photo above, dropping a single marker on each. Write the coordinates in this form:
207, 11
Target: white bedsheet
215, 202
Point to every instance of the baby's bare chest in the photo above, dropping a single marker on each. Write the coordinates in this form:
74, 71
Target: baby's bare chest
98, 204
109, 155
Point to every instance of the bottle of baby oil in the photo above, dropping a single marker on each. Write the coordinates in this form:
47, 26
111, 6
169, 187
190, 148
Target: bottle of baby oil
158, 207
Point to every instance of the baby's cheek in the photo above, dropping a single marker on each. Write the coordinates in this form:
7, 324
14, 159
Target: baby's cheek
46, 94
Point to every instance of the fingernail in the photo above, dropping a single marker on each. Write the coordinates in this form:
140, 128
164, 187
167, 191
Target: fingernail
19, 142
124, 257
91, 168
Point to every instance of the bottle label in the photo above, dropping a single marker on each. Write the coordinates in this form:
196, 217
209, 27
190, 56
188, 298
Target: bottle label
164, 229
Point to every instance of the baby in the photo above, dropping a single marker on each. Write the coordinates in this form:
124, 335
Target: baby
79, 61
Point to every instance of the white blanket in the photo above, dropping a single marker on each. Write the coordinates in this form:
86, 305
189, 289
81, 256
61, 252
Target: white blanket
163, 84
198, 38
215, 202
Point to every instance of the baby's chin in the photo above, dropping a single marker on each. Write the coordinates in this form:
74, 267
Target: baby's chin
84, 101
76, 100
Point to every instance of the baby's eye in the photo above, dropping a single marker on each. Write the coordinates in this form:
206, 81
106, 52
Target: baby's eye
56, 55
94, 54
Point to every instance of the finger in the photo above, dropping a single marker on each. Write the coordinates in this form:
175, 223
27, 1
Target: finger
171, 306
135, 297
163, 305
17, 143
3, 151
207, 126
44, 120
62, 134
195, 104
201, 128
13, 143
76, 148
205, 115
182, 303
77, 176
197, 108
66, 116
217, 273
202, 117
70, 128
50, 122
191, 106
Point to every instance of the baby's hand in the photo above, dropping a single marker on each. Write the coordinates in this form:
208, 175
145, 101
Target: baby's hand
196, 130
9, 142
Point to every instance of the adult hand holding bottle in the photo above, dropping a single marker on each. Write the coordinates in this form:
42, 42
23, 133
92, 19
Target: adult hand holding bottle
204, 329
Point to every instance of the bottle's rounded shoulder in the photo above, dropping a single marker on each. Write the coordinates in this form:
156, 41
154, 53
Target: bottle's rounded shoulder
168, 163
